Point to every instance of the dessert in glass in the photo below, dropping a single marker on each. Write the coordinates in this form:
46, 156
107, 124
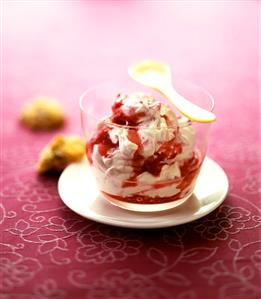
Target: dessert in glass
144, 155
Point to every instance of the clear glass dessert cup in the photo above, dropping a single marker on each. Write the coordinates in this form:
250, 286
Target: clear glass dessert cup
128, 180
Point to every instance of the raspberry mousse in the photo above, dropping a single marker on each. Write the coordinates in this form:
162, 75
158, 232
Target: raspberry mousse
143, 153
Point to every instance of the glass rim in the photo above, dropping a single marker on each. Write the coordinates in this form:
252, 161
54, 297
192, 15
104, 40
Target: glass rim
184, 124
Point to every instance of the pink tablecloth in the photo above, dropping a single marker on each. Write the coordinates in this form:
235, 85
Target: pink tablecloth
60, 48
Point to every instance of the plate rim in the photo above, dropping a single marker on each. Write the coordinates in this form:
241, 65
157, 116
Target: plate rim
88, 214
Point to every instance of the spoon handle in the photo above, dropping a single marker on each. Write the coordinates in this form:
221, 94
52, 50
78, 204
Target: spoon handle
187, 108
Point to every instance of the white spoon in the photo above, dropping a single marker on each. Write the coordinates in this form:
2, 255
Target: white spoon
158, 76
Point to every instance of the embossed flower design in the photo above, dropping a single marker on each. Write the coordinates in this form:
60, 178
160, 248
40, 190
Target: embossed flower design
15, 269
27, 154
118, 284
48, 289
5, 214
98, 247
36, 191
30, 189
244, 275
256, 258
252, 181
220, 224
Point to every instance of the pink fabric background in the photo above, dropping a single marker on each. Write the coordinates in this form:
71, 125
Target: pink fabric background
60, 48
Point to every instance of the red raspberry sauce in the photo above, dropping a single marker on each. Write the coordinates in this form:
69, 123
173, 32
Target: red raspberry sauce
153, 164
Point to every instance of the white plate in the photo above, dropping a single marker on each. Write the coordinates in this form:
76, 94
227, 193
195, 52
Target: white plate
78, 190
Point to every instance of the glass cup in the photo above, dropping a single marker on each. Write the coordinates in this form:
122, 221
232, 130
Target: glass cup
164, 179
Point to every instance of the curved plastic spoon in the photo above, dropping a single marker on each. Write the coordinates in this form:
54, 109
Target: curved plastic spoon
157, 75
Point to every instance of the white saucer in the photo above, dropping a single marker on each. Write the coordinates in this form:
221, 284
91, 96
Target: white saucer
78, 190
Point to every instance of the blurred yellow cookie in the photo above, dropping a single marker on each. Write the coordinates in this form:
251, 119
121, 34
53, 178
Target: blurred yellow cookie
42, 113
60, 152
